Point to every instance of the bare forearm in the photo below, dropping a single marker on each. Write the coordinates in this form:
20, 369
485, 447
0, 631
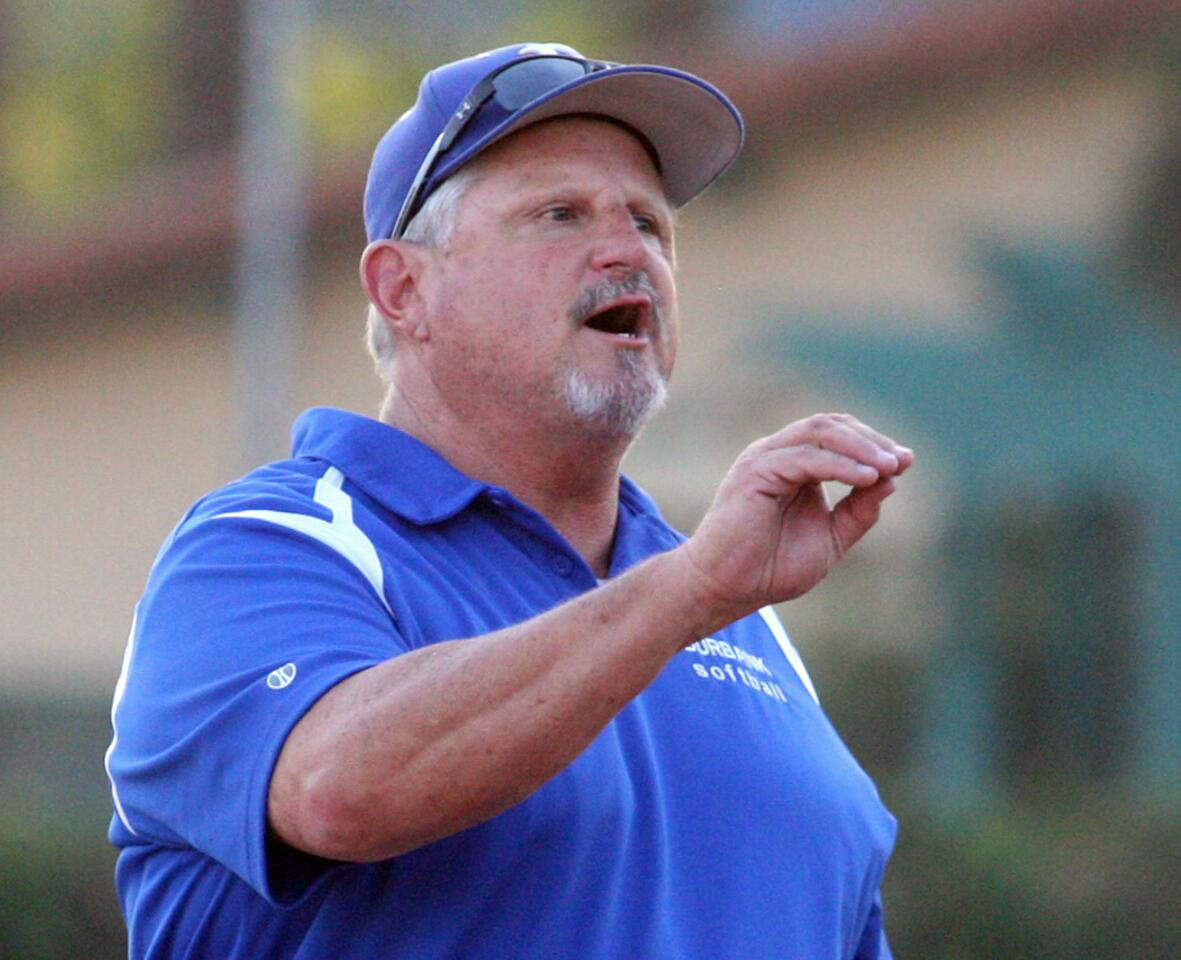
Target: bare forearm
392, 758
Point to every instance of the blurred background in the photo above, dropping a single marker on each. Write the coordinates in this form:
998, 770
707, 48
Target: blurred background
956, 218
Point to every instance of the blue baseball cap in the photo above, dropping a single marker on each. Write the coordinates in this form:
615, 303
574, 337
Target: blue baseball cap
690, 127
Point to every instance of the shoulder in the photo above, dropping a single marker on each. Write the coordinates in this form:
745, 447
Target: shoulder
288, 485
285, 529
285, 515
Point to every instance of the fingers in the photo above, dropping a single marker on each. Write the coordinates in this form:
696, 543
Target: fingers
797, 466
849, 437
831, 447
775, 492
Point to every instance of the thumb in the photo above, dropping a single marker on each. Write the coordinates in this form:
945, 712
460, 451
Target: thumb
853, 517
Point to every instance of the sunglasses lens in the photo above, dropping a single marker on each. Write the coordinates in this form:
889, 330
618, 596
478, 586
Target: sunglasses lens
526, 81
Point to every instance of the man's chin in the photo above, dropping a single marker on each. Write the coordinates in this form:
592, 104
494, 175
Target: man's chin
621, 406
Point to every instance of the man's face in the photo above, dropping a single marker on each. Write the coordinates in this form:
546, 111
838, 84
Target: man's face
555, 299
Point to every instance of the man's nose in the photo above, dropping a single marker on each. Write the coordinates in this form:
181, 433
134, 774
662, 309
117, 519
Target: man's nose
620, 246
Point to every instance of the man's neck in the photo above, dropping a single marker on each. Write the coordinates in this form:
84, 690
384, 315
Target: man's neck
568, 474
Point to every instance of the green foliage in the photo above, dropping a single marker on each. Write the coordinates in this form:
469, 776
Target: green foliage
1061, 879
90, 90
58, 900
84, 92
354, 88
358, 79
56, 867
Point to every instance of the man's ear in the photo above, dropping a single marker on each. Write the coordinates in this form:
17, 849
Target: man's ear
391, 273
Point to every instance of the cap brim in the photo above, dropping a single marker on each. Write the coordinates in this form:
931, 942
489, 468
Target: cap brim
694, 129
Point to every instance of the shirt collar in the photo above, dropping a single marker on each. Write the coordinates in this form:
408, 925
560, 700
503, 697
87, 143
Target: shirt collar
394, 468
413, 480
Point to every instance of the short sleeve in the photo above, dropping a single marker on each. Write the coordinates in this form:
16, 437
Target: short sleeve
244, 625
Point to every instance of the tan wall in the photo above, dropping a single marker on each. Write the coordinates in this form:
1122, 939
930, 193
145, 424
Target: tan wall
107, 439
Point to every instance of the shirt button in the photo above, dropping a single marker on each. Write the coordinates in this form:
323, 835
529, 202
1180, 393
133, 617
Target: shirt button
563, 564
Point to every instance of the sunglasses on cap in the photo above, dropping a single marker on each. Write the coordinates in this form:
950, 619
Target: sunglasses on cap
511, 87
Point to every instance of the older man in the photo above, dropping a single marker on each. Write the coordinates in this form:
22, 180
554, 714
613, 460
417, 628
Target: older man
445, 685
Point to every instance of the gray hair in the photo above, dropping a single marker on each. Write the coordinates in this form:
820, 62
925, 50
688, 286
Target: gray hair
433, 226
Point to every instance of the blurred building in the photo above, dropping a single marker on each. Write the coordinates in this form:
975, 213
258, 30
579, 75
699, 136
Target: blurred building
878, 159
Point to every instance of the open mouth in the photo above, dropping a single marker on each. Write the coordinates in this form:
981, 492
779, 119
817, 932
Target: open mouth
621, 319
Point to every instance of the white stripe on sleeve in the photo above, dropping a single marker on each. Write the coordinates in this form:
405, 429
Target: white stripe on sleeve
342, 534
119, 688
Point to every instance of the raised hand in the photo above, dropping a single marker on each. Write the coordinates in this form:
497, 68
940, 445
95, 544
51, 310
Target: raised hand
771, 534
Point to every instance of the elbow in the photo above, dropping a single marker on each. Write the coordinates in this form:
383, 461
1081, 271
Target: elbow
313, 814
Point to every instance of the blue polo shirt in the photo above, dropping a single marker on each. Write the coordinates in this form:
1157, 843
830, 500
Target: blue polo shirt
718, 815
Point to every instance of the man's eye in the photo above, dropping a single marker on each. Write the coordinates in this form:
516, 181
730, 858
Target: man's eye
562, 214
646, 224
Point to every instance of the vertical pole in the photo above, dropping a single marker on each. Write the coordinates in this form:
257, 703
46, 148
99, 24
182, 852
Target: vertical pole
272, 221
